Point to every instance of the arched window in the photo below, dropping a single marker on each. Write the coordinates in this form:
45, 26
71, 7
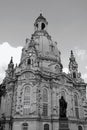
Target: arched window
46, 127
26, 100
37, 25
25, 126
45, 95
45, 102
42, 26
80, 127
29, 61
76, 105
74, 75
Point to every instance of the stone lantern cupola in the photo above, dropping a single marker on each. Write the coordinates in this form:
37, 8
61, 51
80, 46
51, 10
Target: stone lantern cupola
40, 23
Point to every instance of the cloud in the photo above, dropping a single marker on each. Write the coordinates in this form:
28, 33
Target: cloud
2, 72
6, 51
66, 70
81, 53
84, 76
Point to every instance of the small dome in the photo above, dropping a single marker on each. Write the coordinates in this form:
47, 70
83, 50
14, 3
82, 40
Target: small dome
41, 18
40, 23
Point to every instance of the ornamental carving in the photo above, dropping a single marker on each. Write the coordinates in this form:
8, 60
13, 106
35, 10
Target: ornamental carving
29, 75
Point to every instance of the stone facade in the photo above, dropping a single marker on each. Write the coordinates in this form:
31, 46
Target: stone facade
34, 87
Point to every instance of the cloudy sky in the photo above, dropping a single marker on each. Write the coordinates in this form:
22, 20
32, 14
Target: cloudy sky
67, 24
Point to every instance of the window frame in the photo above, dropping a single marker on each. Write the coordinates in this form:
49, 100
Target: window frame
46, 126
76, 105
24, 126
45, 102
26, 100
80, 126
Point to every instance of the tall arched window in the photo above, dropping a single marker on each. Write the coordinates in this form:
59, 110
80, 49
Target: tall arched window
42, 26
26, 100
76, 105
74, 75
45, 102
25, 126
29, 61
46, 127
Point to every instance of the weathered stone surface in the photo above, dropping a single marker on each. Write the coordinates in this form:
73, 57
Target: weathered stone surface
35, 87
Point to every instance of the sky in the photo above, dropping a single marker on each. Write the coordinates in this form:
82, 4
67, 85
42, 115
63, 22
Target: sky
67, 24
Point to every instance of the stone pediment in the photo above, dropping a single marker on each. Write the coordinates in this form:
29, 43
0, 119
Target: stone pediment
63, 79
26, 75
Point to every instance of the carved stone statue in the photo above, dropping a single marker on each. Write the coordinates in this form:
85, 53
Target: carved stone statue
62, 107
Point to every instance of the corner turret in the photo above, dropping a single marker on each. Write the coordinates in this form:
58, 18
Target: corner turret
73, 68
10, 70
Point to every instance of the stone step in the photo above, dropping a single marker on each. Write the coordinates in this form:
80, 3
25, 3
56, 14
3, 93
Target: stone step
64, 129
63, 124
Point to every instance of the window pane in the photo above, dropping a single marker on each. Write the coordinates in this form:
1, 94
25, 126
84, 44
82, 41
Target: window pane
26, 111
26, 100
76, 100
27, 90
76, 106
77, 112
46, 127
45, 95
45, 109
79, 127
24, 126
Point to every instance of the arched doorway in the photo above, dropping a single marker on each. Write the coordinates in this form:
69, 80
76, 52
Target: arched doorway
80, 127
25, 126
46, 127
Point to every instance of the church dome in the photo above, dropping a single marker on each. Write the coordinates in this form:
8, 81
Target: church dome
42, 45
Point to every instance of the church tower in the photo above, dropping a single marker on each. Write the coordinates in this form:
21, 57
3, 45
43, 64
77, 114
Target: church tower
73, 68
